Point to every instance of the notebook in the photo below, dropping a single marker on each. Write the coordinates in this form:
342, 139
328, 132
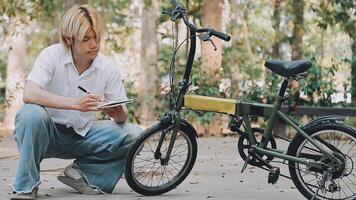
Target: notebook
114, 103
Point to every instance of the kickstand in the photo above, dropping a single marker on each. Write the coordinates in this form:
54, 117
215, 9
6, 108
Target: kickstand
246, 163
326, 175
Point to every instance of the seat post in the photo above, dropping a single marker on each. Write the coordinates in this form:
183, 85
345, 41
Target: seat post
283, 88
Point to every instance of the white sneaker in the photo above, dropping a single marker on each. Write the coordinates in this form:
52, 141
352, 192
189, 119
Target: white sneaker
71, 171
26, 196
74, 179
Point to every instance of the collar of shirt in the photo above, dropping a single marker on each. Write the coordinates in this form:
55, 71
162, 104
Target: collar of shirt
68, 59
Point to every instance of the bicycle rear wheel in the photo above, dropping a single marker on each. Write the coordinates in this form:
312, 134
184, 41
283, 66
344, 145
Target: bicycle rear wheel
341, 140
147, 174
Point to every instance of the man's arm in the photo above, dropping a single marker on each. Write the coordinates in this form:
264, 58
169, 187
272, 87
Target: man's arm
34, 94
119, 113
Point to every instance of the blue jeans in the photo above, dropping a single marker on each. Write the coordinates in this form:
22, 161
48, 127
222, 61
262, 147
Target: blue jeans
100, 155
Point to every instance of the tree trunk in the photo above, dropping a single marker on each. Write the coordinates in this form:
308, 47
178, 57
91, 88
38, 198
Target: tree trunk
212, 60
297, 41
353, 71
15, 78
148, 80
234, 39
276, 41
276, 25
298, 30
279, 127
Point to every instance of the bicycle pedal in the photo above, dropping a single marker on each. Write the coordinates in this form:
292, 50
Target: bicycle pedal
273, 175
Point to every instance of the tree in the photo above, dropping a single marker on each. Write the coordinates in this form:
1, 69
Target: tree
212, 59
16, 43
279, 127
148, 77
20, 14
298, 30
15, 77
297, 41
234, 34
276, 24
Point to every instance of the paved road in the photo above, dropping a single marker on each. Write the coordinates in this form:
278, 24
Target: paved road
216, 175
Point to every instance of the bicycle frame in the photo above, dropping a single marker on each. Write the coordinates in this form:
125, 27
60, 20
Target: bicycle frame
244, 109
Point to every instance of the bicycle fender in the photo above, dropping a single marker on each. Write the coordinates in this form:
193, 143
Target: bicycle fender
324, 120
321, 120
189, 126
168, 121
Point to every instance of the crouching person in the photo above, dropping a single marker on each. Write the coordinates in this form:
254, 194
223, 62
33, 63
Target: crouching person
57, 120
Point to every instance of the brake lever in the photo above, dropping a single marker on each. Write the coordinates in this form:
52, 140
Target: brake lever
212, 42
207, 37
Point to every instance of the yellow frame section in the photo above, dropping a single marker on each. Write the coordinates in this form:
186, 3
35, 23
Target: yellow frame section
212, 104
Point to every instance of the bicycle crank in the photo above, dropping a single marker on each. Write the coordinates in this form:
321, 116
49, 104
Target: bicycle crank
244, 146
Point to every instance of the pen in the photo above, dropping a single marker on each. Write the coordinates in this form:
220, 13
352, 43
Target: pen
82, 89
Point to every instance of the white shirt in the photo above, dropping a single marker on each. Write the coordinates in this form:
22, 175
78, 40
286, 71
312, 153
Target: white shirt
54, 71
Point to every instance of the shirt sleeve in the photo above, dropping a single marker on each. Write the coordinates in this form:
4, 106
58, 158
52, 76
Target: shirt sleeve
115, 89
42, 70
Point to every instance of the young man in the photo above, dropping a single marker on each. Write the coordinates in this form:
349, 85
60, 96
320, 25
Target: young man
57, 119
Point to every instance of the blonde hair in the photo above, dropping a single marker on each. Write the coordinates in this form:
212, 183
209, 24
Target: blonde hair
77, 21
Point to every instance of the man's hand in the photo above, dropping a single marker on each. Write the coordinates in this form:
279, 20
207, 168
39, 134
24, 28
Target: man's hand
88, 103
118, 113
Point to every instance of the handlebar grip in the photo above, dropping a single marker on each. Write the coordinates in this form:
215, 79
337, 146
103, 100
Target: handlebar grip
220, 35
176, 3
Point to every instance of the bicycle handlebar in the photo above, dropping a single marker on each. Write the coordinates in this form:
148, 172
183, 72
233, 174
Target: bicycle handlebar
220, 35
179, 12
216, 33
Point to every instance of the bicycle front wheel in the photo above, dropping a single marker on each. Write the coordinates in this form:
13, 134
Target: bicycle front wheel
341, 184
146, 173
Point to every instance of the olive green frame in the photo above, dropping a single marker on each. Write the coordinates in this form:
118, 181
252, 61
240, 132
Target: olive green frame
272, 112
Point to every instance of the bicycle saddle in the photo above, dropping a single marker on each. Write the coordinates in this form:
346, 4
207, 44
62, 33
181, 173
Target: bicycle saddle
288, 68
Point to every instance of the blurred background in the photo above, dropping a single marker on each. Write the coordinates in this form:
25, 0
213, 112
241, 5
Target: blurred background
139, 38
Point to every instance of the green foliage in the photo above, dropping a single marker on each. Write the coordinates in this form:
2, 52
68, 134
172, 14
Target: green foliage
320, 85
132, 107
26, 10
342, 12
119, 22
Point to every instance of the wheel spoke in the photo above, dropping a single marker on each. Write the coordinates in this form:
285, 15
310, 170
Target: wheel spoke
348, 185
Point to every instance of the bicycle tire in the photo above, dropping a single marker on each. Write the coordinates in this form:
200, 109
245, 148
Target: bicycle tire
333, 134
184, 133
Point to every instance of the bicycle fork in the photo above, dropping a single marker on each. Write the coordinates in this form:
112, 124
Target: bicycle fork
158, 153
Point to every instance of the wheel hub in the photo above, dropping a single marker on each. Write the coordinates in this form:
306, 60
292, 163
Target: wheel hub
338, 170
